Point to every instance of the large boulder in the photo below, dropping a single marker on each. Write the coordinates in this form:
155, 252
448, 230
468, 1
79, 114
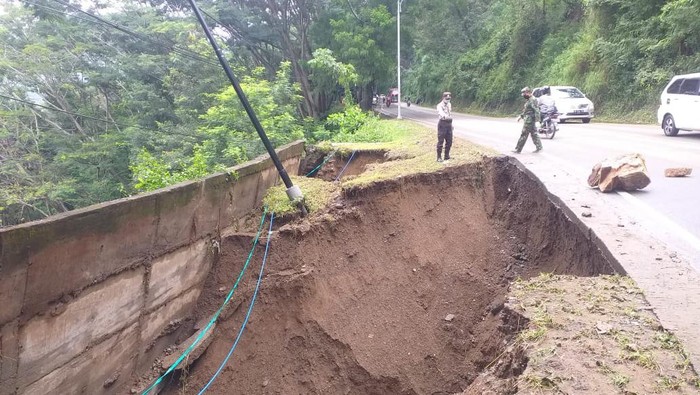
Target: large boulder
627, 173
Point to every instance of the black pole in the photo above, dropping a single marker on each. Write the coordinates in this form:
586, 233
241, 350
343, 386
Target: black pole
244, 100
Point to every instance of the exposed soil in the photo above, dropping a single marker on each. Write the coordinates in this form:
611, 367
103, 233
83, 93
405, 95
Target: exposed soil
397, 288
336, 166
593, 335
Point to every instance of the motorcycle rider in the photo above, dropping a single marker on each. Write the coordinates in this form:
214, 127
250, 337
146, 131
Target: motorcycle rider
546, 104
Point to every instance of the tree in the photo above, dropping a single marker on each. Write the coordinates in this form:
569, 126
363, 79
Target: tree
362, 34
228, 136
327, 74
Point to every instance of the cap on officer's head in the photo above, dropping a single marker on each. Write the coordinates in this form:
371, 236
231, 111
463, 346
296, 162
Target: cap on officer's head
446, 94
525, 90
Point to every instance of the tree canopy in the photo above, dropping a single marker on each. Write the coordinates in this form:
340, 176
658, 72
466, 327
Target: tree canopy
101, 100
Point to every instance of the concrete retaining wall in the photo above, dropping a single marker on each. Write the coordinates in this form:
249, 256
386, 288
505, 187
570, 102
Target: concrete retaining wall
86, 295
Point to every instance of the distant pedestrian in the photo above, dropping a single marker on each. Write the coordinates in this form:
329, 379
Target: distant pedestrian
530, 117
445, 128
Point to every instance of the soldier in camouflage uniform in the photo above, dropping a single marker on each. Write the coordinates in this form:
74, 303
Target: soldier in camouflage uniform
531, 117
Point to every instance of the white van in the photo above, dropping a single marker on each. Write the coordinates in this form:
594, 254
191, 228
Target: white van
572, 104
680, 104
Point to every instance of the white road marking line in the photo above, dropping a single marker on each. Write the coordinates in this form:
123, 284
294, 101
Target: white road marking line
656, 216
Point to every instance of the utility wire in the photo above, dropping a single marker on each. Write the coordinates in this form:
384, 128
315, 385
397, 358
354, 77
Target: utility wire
250, 309
191, 54
59, 12
322, 163
96, 19
346, 166
87, 116
60, 110
218, 312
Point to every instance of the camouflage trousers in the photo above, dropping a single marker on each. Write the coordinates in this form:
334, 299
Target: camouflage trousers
529, 128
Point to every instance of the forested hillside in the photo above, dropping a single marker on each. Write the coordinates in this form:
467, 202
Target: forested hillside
619, 52
101, 100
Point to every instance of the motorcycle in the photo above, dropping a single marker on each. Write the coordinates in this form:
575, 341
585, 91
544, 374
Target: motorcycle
548, 126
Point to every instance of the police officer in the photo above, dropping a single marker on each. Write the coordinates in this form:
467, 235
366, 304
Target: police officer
444, 109
531, 117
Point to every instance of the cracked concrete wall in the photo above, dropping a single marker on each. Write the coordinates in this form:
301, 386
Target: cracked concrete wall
86, 296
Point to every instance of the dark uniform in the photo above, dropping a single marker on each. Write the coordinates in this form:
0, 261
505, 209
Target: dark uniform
444, 109
530, 115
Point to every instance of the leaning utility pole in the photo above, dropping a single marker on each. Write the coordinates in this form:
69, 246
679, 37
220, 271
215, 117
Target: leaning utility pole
293, 191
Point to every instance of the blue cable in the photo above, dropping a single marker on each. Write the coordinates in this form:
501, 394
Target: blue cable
346, 165
216, 315
250, 309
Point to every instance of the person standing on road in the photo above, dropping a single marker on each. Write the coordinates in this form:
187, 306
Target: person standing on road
531, 117
444, 128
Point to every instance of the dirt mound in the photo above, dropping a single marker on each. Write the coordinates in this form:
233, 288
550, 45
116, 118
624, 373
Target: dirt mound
592, 335
396, 289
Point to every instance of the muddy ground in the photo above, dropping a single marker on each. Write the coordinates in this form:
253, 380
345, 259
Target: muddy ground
395, 288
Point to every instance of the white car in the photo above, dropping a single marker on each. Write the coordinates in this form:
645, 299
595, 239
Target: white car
572, 104
680, 104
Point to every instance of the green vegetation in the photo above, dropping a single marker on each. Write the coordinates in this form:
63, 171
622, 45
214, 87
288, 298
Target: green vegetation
541, 383
619, 52
97, 109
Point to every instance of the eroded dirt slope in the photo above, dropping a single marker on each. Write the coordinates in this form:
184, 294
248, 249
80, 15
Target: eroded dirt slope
395, 289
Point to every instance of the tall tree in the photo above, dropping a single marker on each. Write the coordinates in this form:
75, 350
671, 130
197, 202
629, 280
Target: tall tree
363, 34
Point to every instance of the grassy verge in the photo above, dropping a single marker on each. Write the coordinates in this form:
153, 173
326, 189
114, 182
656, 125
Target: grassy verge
409, 147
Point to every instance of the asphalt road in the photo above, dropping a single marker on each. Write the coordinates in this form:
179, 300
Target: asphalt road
669, 208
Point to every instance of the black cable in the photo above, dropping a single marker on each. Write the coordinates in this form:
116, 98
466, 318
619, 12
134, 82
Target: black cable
182, 51
56, 11
60, 110
88, 116
238, 36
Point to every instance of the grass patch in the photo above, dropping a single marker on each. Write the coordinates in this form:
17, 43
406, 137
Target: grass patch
695, 382
643, 358
540, 383
538, 283
618, 379
542, 318
317, 194
411, 150
667, 383
532, 335
543, 354
668, 341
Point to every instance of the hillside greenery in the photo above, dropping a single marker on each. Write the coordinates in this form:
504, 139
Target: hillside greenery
102, 100
619, 52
